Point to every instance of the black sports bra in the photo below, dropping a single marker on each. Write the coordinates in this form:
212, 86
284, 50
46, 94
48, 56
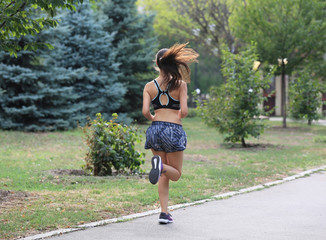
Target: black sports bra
171, 104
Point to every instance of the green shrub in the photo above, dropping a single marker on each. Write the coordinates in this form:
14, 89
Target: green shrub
111, 145
192, 112
305, 97
233, 107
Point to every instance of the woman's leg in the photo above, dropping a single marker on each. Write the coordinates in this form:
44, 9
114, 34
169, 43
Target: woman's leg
163, 184
172, 167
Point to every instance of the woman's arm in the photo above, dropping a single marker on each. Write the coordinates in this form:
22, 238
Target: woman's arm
146, 104
183, 112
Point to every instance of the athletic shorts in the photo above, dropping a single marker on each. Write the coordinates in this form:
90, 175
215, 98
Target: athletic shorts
166, 137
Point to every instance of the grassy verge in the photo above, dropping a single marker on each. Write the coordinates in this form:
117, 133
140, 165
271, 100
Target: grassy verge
38, 199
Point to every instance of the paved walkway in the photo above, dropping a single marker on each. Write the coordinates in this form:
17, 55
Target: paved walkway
294, 210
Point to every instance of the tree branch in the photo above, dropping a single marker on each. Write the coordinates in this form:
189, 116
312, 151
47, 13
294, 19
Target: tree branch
9, 5
13, 14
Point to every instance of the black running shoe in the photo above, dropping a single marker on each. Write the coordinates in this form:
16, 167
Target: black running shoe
165, 218
155, 173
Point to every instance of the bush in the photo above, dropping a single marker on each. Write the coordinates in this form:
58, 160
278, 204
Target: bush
305, 97
111, 145
192, 112
233, 108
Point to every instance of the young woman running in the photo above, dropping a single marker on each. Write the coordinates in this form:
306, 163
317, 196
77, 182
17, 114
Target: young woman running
166, 137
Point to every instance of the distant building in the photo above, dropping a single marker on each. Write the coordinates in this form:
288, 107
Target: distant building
273, 94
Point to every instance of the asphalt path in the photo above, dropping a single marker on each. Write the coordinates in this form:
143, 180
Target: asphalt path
293, 210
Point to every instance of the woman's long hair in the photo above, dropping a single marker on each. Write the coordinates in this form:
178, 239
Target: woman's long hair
172, 59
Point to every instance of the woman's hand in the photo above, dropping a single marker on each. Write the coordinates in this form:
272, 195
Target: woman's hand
179, 114
152, 117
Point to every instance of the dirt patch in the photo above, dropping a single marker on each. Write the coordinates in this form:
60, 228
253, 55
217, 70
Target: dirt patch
71, 172
287, 129
251, 146
78, 176
6, 195
14, 199
197, 158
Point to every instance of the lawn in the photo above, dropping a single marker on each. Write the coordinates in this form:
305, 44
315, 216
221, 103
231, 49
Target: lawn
36, 197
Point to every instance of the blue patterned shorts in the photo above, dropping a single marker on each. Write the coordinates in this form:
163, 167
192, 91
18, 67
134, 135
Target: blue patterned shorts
166, 137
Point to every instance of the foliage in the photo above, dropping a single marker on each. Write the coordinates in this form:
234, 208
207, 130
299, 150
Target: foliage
85, 49
203, 21
32, 103
233, 108
305, 97
111, 145
282, 29
192, 112
18, 18
135, 49
53, 90
34, 100
286, 32
165, 16
176, 23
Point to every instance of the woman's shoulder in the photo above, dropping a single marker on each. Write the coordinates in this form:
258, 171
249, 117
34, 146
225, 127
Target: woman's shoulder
149, 85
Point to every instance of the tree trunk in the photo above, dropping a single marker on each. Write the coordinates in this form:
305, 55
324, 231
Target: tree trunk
309, 122
283, 98
243, 142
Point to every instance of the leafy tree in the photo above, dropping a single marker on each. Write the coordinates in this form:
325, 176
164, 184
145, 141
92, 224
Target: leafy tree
203, 23
233, 108
305, 97
135, 47
286, 32
17, 19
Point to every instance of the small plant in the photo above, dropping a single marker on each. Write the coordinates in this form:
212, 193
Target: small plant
111, 145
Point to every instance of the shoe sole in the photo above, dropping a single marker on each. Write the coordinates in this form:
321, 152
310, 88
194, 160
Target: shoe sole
164, 221
155, 172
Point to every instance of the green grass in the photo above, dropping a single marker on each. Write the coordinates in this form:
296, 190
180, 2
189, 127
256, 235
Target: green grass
58, 201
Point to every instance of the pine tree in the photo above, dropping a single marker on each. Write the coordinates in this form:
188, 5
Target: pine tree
50, 90
85, 49
29, 100
136, 49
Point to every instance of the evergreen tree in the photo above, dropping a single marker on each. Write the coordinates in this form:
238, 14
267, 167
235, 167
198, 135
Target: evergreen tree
85, 49
136, 49
51, 90
30, 100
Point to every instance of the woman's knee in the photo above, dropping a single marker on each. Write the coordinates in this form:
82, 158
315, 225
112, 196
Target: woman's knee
176, 177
